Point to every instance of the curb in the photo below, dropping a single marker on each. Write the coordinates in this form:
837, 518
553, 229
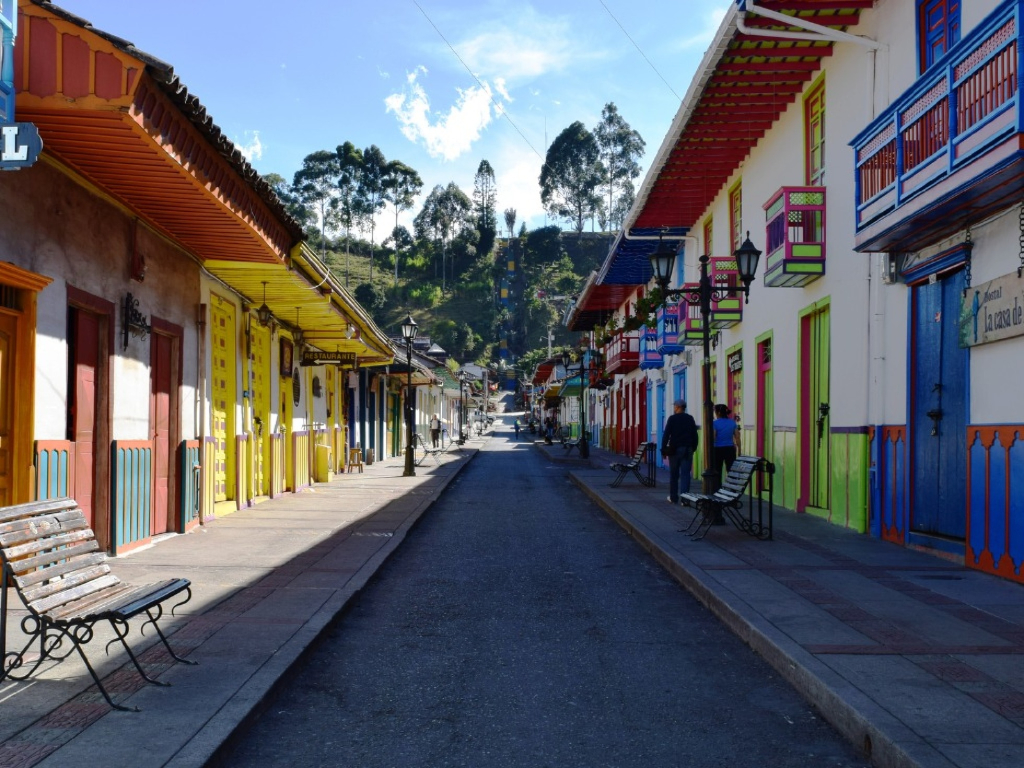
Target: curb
854, 715
214, 742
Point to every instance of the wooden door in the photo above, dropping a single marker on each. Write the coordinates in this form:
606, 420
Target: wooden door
815, 419
765, 402
85, 355
261, 409
8, 352
938, 411
223, 399
161, 396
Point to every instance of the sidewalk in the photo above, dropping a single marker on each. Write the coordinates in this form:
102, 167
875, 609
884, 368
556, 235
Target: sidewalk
266, 581
916, 659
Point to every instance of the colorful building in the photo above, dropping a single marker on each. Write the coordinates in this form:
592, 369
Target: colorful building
874, 361
171, 350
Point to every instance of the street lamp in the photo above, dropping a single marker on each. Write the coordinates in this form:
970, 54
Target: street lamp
409, 329
662, 262
462, 406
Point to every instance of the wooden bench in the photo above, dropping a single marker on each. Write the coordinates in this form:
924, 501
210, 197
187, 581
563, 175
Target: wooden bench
727, 502
633, 465
51, 558
568, 444
418, 440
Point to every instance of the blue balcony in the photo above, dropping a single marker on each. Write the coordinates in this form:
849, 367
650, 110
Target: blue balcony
668, 329
948, 150
649, 355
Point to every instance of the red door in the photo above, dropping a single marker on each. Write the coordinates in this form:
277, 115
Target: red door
161, 386
641, 417
85, 359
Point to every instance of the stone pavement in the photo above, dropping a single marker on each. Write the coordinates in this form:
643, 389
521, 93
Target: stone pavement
266, 581
916, 659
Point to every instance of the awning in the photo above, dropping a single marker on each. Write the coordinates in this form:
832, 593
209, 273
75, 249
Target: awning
572, 387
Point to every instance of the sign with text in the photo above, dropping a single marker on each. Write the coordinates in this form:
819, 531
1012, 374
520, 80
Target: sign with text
993, 311
312, 357
20, 145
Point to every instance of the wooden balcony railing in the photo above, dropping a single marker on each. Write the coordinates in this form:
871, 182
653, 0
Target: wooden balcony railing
958, 112
794, 237
623, 352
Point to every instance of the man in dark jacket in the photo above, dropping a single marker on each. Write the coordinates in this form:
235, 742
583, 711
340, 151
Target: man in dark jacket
678, 445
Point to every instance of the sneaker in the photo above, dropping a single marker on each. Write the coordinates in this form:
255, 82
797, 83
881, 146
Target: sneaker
669, 500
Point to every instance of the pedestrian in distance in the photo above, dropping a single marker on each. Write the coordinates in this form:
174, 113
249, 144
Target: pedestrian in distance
677, 445
435, 430
727, 439
515, 426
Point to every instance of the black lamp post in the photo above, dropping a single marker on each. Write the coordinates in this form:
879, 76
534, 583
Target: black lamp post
584, 444
462, 407
663, 261
409, 329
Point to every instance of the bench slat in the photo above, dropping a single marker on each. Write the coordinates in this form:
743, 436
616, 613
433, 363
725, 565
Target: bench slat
89, 605
69, 580
36, 508
66, 596
27, 523
48, 542
19, 567
40, 528
72, 564
158, 593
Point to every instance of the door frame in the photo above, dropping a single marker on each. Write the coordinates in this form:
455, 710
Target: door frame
806, 410
29, 284
176, 334
104, 310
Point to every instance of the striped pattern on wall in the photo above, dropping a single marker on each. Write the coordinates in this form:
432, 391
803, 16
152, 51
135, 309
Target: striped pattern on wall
189, 476
995, 501
54, 469
131, 490
277, 479
243, 466
300, 456
890, 483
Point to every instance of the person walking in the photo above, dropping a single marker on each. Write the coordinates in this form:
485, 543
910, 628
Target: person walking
435, 430
727, 440
515, 426
677, 445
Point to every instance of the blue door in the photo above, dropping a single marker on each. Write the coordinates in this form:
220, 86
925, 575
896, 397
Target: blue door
938, 408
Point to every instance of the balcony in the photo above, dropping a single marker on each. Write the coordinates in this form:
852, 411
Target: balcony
623, 353
692, 332
668, 329
728, 311
948, 147
650, 357
795, 237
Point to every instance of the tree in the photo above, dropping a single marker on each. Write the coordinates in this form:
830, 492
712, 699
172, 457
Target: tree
402, 186
570, 176
510, 221
443, 215
372, 189
289, 199
485, 199
370, 296
316, 185
350, 161
620, 148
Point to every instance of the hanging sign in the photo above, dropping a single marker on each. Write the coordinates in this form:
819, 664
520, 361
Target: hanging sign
992, 311
20, 145
313, 357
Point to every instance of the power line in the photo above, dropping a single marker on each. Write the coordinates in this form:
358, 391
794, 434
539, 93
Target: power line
640, 50
497, 107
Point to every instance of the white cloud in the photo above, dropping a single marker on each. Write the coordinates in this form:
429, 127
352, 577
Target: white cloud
443, 135
251, 148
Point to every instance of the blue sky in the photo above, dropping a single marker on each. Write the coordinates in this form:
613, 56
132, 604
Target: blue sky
286, 79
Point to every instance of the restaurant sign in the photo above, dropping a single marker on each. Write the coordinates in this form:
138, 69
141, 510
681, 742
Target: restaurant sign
993, 311
313, 357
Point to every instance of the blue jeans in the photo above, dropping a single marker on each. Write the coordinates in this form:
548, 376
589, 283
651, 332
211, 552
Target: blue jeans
680, 468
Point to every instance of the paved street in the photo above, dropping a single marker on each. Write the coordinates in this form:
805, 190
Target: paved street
518, 625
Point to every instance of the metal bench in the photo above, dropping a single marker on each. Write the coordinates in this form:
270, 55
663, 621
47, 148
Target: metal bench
51, 558
418, 441
727, 502
633, 465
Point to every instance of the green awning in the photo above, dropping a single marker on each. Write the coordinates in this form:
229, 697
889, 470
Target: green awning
572, 387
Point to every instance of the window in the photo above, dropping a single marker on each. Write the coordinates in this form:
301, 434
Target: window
708, 229
814, 135
938, 29
735, 217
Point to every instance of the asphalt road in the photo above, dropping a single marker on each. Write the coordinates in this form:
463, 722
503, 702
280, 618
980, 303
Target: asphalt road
519, 626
